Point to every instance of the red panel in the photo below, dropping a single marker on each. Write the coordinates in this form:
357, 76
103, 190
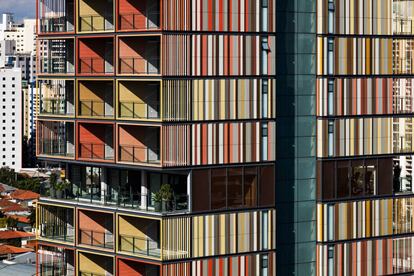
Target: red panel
131, 268
90, 134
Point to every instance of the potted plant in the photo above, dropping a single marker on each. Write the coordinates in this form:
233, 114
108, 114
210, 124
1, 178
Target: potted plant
163, 198
157, 201
60, 188
167, 195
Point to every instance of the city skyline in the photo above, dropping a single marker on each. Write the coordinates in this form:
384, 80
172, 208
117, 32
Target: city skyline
21, 9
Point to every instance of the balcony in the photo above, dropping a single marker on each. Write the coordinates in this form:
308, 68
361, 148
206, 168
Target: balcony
90, 264
56, 223
130, 267
139, 144
56, 16
128, 189
95, 229
96, 56
96, 16
138, 15
56, 56
139, 55
139, 236
96, 99
139, 100
57, 97
96, 142
55, 261
56, 138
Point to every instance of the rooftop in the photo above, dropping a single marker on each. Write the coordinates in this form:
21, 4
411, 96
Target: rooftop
10, 234
10, 249
24, 195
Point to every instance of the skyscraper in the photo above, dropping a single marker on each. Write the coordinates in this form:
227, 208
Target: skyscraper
162, 118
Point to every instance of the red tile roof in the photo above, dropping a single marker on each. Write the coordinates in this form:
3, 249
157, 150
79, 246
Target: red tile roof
11, 234
24, 195
14, 208
7, 203
22, 219
9, 249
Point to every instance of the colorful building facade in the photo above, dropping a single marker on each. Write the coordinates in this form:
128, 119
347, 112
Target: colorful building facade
162, 115
364, 125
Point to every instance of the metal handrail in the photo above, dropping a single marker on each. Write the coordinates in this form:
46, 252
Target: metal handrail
54, 106
54, 147
55, 231
131, 200
54, 25
92, 106
89, 23
130, 65
131, 107
106, 243
89, 65
55, 65
132, 153
127, 21
150, 248
90, 150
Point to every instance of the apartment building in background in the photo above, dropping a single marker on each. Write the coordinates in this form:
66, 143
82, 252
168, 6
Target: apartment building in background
161, 116
11, 127
18, 50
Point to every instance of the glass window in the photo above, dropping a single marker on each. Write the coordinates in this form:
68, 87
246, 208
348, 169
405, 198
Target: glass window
330, 222
264, 264
330, 56
331, 260
265, 230
342, 180
265, 98
331, 16
264, 141
235, 187
265, 12
250, 186
265, 50
331, 97
267, 186
331, 128
218, 188
201, 190
357, 178
371, 177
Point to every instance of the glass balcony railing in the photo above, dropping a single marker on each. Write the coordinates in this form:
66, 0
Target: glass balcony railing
57, 65
96, 151
56, 107
139, 245
86, 273
139, 154
55, 269
52, 231
139, 21
129, 200
96, 238
139, 110
96, 23
139, 66
95, 65
57, 148
403, 185
96, 109
55, 25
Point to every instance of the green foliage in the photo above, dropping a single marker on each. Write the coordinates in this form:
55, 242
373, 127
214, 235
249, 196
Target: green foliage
19, 181
8, 222
165, 193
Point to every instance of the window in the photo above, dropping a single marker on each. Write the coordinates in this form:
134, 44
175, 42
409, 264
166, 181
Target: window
330, 222
265, 98
330, 56
331, 260
265, 230
265, 135
331, 128
265, 11
265, 52
331, 97
218, 189
264, 265
235, 187
331, 16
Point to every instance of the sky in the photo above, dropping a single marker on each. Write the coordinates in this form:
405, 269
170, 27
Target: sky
20, 8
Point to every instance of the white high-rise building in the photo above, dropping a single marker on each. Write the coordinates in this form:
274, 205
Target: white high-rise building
17, 83
11, 118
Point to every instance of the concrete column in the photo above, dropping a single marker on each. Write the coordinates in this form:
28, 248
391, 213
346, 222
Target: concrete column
189, 191
104, 184
144, 190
